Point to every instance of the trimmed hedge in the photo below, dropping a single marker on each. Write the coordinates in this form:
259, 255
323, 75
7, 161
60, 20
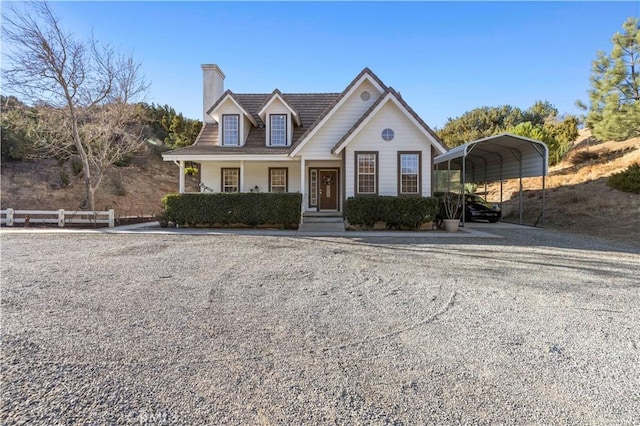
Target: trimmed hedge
397, 212
627, 180
250, 208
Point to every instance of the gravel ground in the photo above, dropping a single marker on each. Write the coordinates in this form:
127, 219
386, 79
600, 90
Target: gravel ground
536, 327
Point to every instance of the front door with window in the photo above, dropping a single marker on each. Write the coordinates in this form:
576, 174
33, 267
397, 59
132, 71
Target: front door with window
328, 189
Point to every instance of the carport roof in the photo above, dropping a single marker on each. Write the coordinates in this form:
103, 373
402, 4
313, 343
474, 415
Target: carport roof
504, 156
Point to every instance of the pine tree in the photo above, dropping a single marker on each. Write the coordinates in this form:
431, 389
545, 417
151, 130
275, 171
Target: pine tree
614, 110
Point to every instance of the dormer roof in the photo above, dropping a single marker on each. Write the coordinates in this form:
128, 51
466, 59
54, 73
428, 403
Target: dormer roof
229, 95
277, 95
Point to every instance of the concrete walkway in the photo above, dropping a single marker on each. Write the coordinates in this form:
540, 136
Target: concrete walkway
476, 230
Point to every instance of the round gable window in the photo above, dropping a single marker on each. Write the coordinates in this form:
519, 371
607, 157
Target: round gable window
365, 96
387, 134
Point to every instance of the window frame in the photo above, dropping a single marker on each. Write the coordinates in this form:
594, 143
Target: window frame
419, 174
222, 183
286, 177
222, 133
313, 187
376, 173
286, 129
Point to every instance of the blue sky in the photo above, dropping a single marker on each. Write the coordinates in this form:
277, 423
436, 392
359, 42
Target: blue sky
445, 58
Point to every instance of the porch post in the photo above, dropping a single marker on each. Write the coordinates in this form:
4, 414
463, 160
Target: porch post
303, 188
181, 188
241, 175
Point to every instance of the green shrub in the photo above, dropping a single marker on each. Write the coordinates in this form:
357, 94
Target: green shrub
627, 180
244, 208
397, 212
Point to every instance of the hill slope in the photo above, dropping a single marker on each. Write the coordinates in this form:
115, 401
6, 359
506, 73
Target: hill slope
135, 190
577, 196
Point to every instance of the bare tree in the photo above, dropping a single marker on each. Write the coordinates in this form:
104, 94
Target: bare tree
82, 91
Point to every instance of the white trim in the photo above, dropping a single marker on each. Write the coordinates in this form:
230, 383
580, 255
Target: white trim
389, 97
330, 114
244, 111
239, 157
181, 187
263, 111
303, 190
241, 177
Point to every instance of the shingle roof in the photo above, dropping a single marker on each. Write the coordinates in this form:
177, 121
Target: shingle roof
310, 107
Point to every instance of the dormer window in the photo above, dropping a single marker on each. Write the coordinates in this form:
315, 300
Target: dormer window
278, 129
230, 129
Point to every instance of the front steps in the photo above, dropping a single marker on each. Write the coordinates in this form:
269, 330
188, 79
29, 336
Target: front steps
321, 223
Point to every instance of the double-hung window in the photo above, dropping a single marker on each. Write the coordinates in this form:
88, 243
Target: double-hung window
277, 180
409, 168
366, 173
230, 129
230, 181
278, 129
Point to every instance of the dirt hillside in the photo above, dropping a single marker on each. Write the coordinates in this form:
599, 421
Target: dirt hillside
135, 190
577, 196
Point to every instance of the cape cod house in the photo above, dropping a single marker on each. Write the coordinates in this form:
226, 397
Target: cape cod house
364, 140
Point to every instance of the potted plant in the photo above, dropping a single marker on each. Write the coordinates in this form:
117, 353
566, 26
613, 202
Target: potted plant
451, 206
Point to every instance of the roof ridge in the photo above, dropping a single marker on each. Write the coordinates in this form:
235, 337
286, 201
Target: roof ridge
336, 101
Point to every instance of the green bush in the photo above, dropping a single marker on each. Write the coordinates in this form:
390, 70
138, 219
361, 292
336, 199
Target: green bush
397, 212
250, 208
627, 180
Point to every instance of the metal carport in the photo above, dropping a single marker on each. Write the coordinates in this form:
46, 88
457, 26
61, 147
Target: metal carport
496, 158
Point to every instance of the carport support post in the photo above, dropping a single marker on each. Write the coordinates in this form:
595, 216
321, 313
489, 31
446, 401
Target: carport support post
501, 182
544, 200
520, 196
462, 182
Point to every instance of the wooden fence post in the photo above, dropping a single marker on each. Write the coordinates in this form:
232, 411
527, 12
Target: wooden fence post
111, 218
9, 217
61, 218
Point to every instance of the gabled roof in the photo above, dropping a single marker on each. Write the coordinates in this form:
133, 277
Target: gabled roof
365, 73
310, 106
389, 95
228, 94
312, 109
277, 94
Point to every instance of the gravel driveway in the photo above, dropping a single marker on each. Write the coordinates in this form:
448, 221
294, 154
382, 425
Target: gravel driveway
536, 327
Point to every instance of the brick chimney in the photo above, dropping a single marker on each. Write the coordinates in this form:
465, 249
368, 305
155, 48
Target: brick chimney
212, 88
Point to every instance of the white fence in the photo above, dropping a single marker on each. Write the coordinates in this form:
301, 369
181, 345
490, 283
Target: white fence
9, 217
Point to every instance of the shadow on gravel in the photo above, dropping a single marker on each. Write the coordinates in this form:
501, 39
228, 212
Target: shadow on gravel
519, 237
559, 256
